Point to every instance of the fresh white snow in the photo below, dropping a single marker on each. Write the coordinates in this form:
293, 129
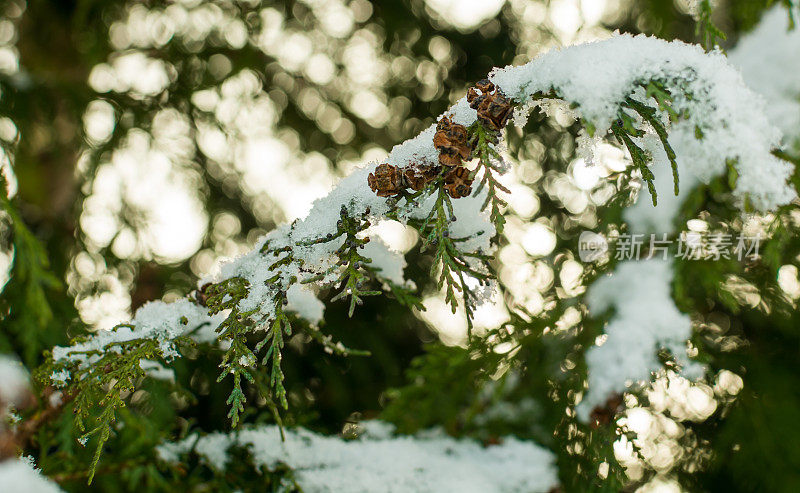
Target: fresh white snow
380, 461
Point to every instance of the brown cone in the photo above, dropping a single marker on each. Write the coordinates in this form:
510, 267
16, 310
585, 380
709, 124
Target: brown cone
457, 183
386, 181
494, 109
451, 139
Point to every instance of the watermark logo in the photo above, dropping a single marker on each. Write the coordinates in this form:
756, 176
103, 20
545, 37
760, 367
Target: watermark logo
591, 246
688, 245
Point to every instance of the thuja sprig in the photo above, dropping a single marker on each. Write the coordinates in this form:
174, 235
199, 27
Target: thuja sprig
656, 90
104, 384
650, 116
488, 157
356, 271
239, 358
452, 264
708, 32
624, 129
790, 6
405, 296
279, 327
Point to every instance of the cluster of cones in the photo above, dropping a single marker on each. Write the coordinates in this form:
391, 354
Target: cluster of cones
388, 180
454, 145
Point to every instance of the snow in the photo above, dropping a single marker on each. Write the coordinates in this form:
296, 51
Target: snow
60, 378
14, 382
380, 461
154, 320
303, 302
645, 319
769, 62
19, 476
593, 79
419, 148
389, 263
596, 77
473, 223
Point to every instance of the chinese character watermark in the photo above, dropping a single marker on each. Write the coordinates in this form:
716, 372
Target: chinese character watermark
689, 245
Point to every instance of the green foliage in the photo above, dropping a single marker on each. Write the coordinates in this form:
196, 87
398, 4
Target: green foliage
623, 129
708, 32
451, 265
356, 271
26, 312
460, 371
489, 162
650, 116
239, 359
279, 328
99, 389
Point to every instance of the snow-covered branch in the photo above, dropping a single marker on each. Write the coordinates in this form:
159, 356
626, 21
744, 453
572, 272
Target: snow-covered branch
636, 89
379, 460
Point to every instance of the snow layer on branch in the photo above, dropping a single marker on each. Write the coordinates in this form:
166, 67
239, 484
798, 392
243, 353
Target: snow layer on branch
645, 319
599, 76
19, 476
162, 320
305, 303
765, 56
354, 195
154, 320
769, 59
390, 264
380, 461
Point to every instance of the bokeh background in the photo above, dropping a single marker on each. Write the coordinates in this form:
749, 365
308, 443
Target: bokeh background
145, 141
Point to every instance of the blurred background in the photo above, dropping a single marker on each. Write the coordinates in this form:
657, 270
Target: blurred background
144, 141
154, 138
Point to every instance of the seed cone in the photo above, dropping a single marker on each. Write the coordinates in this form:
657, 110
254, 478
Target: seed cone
386, 181
457, 183
493, 108
452, 141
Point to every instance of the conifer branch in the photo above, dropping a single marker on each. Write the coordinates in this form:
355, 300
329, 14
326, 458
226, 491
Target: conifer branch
488, 162
709, 33
452, 265
239, 358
